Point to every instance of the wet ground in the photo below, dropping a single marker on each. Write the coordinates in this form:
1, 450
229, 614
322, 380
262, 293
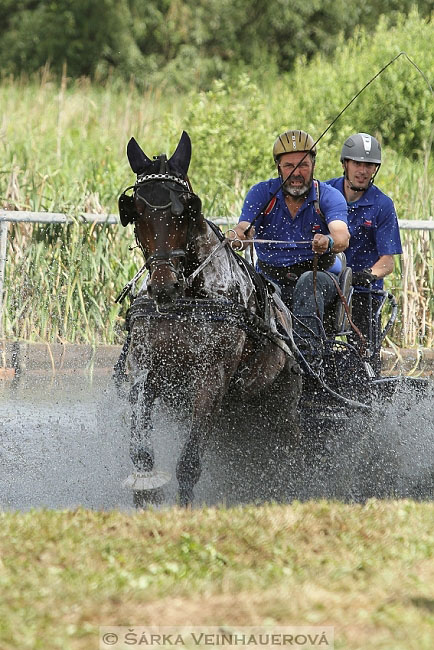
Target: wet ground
64, 443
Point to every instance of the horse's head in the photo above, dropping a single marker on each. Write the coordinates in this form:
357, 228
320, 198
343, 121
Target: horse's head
164, 211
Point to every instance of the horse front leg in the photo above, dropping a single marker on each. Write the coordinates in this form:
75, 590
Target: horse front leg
142, 397
211, 384
145, 482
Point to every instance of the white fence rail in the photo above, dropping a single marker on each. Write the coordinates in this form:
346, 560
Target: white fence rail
113, 219
9, 216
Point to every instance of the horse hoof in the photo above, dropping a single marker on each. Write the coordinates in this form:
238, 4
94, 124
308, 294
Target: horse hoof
146, 480
148, 498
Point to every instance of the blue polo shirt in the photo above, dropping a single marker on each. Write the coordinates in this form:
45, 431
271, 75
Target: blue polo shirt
373, 226
278, 224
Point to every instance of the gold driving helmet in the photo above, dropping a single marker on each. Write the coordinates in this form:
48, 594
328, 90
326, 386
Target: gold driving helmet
291, 141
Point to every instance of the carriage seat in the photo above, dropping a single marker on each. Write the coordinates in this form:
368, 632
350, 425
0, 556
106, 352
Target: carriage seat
335, 317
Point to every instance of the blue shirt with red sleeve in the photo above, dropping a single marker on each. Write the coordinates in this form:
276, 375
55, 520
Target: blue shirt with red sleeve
276, 222
373, 227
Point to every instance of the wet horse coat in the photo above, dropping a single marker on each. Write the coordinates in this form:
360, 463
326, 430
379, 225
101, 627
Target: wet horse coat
196, 335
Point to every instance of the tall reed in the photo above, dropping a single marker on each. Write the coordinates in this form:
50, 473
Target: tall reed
64, 151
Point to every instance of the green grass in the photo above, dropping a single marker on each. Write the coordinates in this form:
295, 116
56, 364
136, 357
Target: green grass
366, 570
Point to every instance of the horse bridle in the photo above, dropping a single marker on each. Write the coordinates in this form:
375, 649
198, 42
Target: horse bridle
176, 185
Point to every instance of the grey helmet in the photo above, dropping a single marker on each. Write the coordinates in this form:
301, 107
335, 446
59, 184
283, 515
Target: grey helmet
363, 148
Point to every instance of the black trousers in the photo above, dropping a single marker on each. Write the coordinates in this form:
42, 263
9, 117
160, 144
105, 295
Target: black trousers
364, 317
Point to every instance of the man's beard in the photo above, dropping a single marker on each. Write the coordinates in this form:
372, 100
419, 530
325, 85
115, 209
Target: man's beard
301, 190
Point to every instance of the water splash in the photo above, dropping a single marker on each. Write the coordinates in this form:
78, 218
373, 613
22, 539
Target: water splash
65, 444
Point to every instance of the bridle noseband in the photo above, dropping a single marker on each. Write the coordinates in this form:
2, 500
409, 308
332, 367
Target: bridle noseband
158, 260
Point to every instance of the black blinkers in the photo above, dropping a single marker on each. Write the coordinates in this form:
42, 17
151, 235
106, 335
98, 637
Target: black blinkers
127, 209
159, 196
194, 207
162, 195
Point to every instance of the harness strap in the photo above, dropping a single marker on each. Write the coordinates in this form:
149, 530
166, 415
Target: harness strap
206, 310
159, 259
291, 273
130, 285
341, 297
316, 200
270, 206
190, 279
144, 178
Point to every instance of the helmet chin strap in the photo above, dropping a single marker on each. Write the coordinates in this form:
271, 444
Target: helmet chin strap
353, 187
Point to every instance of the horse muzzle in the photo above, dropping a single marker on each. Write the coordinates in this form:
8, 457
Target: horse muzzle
166, 284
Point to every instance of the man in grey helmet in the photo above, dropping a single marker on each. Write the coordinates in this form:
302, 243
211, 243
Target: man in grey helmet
372, 222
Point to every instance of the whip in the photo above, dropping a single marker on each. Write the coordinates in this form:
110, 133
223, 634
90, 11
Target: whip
335, 120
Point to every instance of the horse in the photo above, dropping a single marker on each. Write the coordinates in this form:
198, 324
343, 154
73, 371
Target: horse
200, 333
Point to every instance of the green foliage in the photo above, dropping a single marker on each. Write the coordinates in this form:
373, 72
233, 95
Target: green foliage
70, 157
72, 276
228, 126
88, 37
180, 43
234, 124
398, 107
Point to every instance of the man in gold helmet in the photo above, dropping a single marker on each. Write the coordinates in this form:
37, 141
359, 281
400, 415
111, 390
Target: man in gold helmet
298, 217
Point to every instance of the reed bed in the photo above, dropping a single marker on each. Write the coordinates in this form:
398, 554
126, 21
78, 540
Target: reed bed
63, 150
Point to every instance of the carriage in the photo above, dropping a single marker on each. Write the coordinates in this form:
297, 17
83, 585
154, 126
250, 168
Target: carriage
209, 336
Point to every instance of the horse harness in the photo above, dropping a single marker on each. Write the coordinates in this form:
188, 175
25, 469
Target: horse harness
177, 188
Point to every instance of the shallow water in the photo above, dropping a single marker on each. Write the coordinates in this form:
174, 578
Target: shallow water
60, 445
64, 443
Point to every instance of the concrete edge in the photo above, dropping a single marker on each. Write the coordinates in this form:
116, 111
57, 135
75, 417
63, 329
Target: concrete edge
64, 358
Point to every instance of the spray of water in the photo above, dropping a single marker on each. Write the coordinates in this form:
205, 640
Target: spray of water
66, 444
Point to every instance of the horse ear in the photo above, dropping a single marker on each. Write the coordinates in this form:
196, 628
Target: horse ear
137, 157
182, 154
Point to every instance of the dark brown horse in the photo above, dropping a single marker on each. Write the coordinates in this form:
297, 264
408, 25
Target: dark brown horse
198, 331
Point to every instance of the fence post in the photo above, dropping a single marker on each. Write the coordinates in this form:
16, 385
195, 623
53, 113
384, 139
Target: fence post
3, 245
